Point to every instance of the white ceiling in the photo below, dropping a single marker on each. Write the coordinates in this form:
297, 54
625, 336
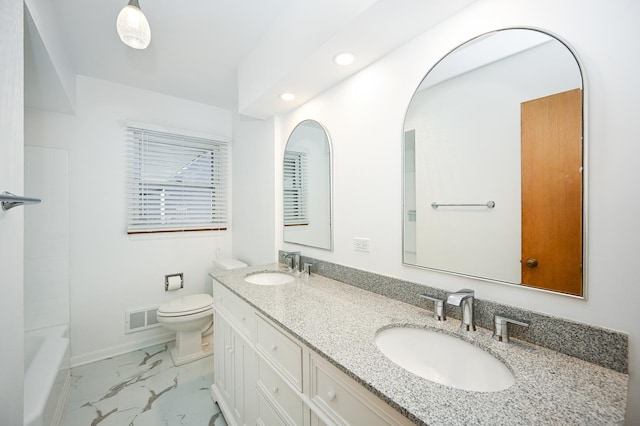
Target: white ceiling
199, 47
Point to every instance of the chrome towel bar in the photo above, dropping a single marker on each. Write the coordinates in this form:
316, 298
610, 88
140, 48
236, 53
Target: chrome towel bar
489, 204
10, 200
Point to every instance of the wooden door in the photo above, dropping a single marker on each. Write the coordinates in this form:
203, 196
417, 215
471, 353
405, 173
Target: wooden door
552, 192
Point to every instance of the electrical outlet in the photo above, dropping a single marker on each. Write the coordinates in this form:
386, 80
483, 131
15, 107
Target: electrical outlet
361, 244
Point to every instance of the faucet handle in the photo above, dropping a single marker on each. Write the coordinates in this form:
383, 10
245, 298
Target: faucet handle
294, 264
501, 327
307, 268
439, 313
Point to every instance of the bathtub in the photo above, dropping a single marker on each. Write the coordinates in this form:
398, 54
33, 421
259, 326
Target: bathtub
46, 375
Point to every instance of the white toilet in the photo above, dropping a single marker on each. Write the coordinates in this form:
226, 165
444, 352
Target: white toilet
191, 317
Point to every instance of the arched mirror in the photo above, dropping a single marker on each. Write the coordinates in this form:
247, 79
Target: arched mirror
307, 186
494, 164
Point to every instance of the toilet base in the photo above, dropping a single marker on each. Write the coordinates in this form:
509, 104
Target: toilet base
191, 346
180, 360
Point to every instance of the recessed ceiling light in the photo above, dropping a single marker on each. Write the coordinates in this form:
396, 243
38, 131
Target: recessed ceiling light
287, 96
344, 58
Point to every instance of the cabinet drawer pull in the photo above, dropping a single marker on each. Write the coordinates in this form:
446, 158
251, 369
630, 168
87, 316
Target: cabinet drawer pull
274, 347
331, 395
274, 389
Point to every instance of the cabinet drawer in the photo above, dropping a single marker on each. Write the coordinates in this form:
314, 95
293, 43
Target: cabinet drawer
267, 415
347, 402
237, 310
281, 351
280, 393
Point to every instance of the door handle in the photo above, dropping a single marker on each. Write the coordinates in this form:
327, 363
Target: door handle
531, 262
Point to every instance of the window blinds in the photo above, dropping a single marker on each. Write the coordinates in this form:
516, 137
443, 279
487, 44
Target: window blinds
295, 189
175, 182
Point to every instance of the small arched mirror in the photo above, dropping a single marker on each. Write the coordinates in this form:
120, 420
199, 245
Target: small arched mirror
493, 172
307, 186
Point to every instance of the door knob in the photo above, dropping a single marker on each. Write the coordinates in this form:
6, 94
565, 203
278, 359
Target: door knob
531, 262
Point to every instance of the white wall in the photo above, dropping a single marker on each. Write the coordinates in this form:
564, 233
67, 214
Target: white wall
111, 272
365, 114
48, 137
253, 191
59, 92
46, 237
11, 222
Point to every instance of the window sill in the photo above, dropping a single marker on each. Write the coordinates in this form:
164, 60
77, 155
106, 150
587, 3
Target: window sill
175, 234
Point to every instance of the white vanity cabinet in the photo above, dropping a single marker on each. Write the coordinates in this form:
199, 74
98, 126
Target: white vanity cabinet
280, 372
265, 376
346, 402
234, 358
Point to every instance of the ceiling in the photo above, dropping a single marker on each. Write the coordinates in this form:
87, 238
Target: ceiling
234, 54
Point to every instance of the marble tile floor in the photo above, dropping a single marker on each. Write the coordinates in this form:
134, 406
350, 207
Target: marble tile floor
143, 388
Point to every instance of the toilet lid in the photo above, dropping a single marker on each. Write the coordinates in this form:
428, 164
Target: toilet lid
227, 264
186, 305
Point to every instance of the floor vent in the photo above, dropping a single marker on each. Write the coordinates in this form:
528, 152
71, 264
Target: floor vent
141, 319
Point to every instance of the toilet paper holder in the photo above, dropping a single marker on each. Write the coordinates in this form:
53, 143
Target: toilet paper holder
170, 280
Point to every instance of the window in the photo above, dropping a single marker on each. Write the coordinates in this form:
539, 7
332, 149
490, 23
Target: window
175, 182
295, 189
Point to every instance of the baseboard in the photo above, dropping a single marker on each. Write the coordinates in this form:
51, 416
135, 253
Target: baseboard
120, 349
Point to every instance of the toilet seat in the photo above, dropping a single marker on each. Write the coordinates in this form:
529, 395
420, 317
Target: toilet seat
186, 305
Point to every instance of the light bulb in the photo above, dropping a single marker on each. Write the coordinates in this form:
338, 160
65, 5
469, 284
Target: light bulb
133, 27
287, 96
344, 58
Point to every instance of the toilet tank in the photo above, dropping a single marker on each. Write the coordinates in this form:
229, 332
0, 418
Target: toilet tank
227, 264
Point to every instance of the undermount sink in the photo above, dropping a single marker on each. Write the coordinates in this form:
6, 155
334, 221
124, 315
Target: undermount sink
269, 278
444, 359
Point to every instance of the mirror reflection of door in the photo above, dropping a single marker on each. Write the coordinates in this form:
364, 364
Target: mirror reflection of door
552, 192
462, 145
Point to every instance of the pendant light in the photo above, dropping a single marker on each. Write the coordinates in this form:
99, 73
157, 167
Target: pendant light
133, 27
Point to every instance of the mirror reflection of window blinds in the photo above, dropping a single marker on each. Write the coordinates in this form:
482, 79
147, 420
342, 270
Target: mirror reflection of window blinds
295, 188
175, 182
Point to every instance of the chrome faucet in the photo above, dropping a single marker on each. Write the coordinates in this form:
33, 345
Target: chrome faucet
439, 313
306, 268
464, 299
294, 265
501, 327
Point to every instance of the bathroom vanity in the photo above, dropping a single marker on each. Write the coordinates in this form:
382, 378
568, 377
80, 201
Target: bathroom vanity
264, 375
304, 353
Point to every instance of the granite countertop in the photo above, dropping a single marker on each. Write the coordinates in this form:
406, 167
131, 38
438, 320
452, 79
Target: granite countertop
340, 322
